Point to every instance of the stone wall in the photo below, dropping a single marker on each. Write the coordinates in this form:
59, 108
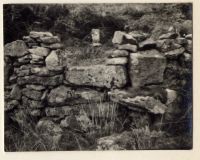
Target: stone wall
140, 74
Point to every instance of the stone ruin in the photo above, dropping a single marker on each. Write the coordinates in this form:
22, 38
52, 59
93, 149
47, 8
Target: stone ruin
140, 74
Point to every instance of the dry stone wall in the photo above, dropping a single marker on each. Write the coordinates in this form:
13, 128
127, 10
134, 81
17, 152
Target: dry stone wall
141, 74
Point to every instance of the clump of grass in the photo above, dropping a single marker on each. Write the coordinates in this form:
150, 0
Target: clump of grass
103, 118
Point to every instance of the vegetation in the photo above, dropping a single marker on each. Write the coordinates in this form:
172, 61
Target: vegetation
76, 21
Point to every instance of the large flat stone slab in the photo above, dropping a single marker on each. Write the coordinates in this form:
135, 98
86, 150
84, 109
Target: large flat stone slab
138, 103
97, 76
146, 67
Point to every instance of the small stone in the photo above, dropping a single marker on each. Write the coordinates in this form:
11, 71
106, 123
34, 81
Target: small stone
43, 71
171, 96
36, 58
189, 46
17, 48
189, 36
128, 47
117, 61
128, 38
32, 94
118, 37
95, 36
186, 27
53, 46
55, 59
28, 103
174, 53
59, 111
28, 39
138, 36
25, 59
166, 45
35, 87
181, 41
11, 105
13, 79
117, 142
35, 112
96, 44
59, 95
117, 53
147, 44
50, 40
32, 45
16, 93
46, 81
170, 35
34, 34
187, 57
24, 72
70, 122
39, 51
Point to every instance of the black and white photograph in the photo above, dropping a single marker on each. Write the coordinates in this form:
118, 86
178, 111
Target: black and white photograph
98, 76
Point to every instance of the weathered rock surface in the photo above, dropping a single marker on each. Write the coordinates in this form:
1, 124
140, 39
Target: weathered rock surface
147, 103
71, 122
139, 36
25, 59
170, 35
39, 51
147, 44
28, 103
146, 67
97, 75
123, 38
36, 87
55, 59
128, 47
46, 81
34, 34
53, 46
118, 37
17, 48
188, 36
117, 61
59, 111
117, 53
50, 40
189, 46
50, 132
174, 53
11, 105
35, 112
44, 71
15, 92
32, 94
65, 95
121, 141
166, 45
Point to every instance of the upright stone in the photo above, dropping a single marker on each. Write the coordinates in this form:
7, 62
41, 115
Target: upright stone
55, 60
118, 37
95, 36
146, 67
